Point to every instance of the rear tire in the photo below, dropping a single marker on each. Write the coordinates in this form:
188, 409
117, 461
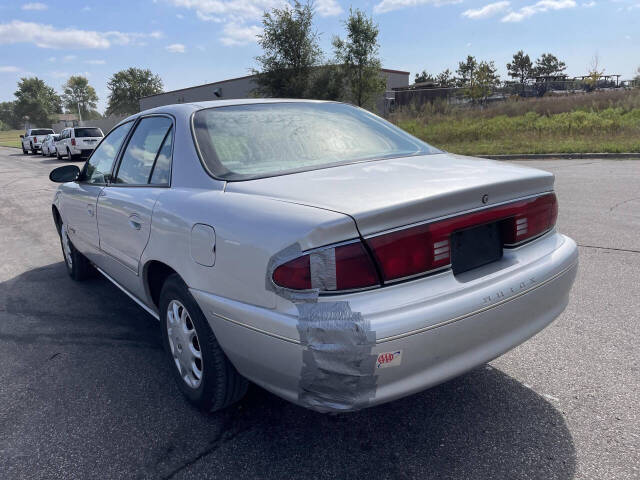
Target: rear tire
71, 157
24, 150
78, 267
186, 336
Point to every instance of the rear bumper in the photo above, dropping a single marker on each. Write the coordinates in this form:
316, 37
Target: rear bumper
439, 336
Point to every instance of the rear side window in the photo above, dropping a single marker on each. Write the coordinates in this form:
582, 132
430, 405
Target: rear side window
98, 167
144, 146
162, 169
88, 132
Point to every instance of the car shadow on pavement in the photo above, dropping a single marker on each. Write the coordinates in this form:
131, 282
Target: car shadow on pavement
91, 393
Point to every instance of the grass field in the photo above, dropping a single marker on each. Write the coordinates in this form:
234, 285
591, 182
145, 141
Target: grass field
10, 138
597, 122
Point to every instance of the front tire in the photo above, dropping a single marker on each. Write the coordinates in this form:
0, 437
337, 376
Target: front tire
24, 150
203, 372
58, 156
78, 267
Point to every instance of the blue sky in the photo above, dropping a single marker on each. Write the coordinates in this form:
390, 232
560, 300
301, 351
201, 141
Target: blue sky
189, 42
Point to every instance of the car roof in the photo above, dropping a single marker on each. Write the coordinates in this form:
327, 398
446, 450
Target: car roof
179, 109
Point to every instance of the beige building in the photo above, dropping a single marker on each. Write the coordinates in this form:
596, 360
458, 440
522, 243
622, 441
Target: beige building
241, 87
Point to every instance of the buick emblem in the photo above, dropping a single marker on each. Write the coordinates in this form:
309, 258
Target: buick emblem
485, 198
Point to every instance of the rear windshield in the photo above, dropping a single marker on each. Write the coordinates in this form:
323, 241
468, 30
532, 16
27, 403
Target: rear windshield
251, 141
88, 132
41, 131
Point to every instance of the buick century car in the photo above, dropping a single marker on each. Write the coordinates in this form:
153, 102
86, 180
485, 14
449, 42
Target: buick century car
313, 248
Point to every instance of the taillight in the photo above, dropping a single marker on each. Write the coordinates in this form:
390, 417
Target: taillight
73, 142
535, 217
35, 139
426, 248
344, 267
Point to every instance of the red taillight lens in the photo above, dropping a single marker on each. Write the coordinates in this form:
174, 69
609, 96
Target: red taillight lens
295, 274
73, 142
425, 248
535, 217
346, 267
35, 139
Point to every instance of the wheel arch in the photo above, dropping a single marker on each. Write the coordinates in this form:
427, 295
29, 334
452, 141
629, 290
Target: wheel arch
57, 218
155, 273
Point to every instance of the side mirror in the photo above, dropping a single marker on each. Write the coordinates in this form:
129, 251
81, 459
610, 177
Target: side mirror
67, 173
21, 136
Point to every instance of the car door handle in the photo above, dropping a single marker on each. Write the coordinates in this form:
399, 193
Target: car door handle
134, 222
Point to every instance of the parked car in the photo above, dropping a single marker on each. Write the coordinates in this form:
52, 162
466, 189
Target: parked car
314, 249
49, 144
33, 138
78, 142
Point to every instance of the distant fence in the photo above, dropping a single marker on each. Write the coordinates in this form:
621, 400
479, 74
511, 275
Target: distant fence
420, 95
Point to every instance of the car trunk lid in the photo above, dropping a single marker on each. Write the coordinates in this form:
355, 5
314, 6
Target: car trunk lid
386, 194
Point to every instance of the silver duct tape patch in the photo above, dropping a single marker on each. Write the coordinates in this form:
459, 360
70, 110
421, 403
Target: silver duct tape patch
323, 269
337, 363
283, 256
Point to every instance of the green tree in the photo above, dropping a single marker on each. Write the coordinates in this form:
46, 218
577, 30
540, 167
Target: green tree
290, 51
445, 79
465, 71
521, 68
79, 95
358, 57
37, 101
594, 74
549, 65
478, 78
127, 87
327, 83
8, 116
424, 76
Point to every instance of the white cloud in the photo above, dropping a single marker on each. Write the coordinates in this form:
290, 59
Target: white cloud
95, 62
487, 11
540, 7
327, 8
34, 6
239, 34
589, 4
389, 5
58, 74
46, 36
9, 69
239, 9
175, 48
69, 58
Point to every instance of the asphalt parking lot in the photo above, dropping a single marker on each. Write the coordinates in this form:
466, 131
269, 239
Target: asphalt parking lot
85, 391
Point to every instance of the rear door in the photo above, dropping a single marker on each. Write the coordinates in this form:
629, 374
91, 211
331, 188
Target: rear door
79, 198
126, 204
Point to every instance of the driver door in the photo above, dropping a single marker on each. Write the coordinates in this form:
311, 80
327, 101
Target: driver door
80, 198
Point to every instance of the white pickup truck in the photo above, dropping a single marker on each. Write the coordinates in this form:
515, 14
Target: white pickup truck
33, 138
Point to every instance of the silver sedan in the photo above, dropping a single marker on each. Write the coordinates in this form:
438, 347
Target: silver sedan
314, 249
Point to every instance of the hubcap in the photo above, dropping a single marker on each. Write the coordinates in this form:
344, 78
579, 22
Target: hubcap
66, 246
184, 344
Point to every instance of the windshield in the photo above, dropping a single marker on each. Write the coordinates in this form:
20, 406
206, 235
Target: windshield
41, 131
259, 140
88, 132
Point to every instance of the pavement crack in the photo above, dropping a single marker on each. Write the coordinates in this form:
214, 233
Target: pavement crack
609, 248
623, 202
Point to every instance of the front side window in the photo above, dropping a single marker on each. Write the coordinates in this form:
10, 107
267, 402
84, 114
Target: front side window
141, 152
98, 167
88, 132
265, 139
